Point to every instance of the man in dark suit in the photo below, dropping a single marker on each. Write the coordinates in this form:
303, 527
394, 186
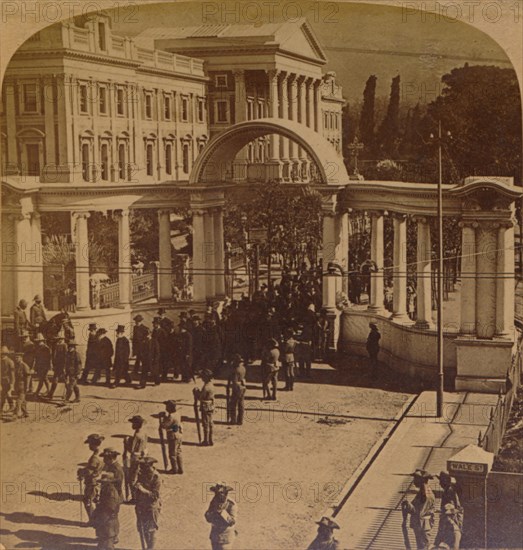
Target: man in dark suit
139, 332
150, 351
122, 352
105, 353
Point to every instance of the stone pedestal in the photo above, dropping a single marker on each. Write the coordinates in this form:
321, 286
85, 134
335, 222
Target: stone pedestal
470, 467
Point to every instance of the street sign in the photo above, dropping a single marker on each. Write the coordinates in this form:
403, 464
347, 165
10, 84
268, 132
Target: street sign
257, 235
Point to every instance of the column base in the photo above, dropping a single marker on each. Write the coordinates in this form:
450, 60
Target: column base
274, 170
375, 310
402, 318
424, 325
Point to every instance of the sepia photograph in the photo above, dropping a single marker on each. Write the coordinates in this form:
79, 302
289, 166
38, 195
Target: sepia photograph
261, 275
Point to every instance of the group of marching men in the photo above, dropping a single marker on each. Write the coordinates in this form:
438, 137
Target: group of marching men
105, 481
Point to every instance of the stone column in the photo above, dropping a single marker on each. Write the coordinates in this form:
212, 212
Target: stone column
82, 260
317, 107
199, 267
342, 250
376, 255
164, 230
468, 277
10, 115
284, 113
66, 101
240, 115
219, 256
24, 257
310, 102
48, 173
486, 267
399, 296
37, 254
505, 298
302, 118
274, 163
124, 257
209, 253
424, 276
293, 115
330, 279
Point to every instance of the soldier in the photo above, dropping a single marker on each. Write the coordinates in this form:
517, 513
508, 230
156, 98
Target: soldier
206, 398
305, 351
238, 387
91, 354
160, 336
185, 353
37, 314
122, 352
105, 517
323, 334
139, 335
212, 345
421, 509
289, 347
21, 321
89, 475
104, 352
222, 513
148, 503
28, 349
150, 357
373, 347
42, 363
270, 367
22, 374
73, 369
172, 424
135, 447
8, 379
196, 330
325, 538
59, 355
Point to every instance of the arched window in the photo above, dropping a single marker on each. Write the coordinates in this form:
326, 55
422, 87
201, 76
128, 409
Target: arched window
104, 158
149, 158
85, 161
121, 161
185, 158
168, 158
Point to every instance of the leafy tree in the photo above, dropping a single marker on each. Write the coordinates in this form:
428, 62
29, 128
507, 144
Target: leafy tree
366, 125
389, 129
144, 235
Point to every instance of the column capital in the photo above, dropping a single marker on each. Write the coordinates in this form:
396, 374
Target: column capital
468, 223
81, 215
121, 213
273, 74
421, 219
398, 216
164, 212
238, 73
198, 211
375, 213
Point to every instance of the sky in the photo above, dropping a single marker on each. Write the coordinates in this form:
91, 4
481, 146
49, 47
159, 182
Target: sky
359, 39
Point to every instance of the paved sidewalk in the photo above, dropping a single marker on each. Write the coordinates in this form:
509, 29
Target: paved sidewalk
371, 517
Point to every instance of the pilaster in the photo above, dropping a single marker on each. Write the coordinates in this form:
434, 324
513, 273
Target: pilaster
82, 260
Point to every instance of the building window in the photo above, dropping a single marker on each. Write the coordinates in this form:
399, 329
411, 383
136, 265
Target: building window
84, 105
168, 159
220, 81
33, 159
102, 100
104, 154
101, 36
185, 150
121, 161
167, 107
85, 161
148, 106
30, 103
222, 114
250, 110
120, 109
185, 109
201, 110
201, 145
325, 120
149, 158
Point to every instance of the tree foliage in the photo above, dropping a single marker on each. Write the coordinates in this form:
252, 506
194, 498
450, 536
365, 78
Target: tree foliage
366, 125
389, 136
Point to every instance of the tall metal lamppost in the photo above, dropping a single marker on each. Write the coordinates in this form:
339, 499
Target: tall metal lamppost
439, 285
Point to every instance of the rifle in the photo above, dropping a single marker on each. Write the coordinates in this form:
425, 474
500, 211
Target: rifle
196, 393
228, 399
126, 468
162, 443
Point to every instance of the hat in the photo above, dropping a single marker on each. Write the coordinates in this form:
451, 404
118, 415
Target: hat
101, 331
37, 298
444, 475
183, 314
109, 451
138, 318
207, 374
137, 418
423, 474
157, 319
39, 338
221, 488
5, 349
96, 438
147, 460
196, 318
327, 521
373, 325
22, 303
161, 311
120, 328
72, 343
93, 326
170, 404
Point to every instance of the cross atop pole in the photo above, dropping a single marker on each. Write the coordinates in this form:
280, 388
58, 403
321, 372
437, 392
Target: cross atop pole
355, 147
